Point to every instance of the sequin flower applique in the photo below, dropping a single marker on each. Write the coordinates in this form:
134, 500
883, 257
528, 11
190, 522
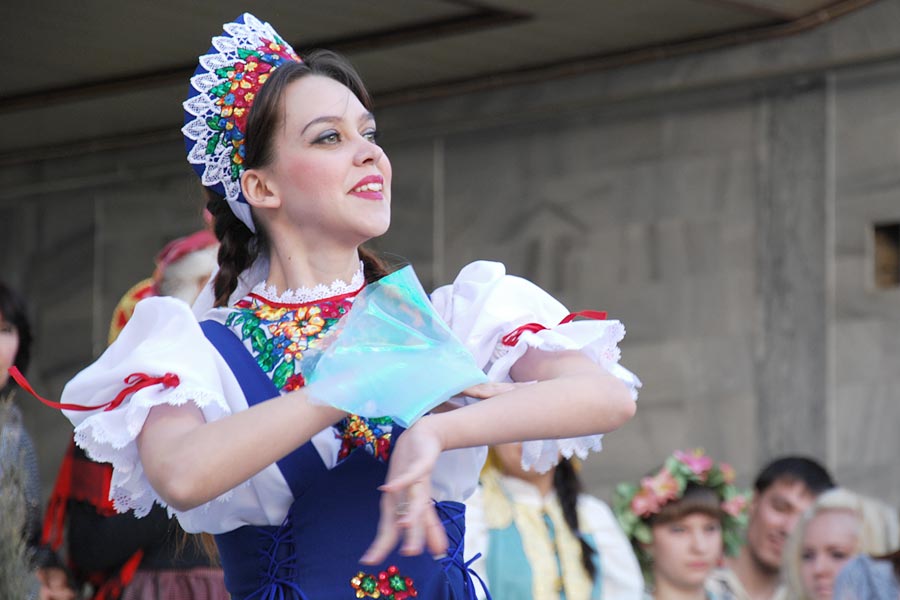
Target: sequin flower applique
388, 585
371, 434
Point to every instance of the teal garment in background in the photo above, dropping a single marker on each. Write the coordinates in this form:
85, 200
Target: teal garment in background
597, 592
391, 355
508, 571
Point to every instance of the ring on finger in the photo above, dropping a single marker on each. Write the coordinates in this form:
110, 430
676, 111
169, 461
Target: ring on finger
402, 509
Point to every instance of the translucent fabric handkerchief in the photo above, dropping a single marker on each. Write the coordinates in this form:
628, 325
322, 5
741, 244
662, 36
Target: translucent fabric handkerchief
391, 355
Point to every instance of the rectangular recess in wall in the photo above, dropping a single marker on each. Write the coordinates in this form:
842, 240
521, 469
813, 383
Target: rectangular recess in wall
887, 255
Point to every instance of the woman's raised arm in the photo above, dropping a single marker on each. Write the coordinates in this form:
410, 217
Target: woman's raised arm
189, 461
571, 396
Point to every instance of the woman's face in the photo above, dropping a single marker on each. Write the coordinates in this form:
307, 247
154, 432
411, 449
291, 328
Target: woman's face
830, 540
685, 551
9, 346
331, 178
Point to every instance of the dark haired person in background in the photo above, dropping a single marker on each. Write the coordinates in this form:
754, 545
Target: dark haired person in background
782, 491
541, 537
17, 452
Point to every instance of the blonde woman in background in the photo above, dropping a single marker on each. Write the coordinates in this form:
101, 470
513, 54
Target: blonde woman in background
838, 526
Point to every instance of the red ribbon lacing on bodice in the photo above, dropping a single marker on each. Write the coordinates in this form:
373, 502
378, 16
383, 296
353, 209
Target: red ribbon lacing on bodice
135, 382
512, 338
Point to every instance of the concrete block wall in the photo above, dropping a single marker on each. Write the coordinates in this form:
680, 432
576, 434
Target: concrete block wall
719, 204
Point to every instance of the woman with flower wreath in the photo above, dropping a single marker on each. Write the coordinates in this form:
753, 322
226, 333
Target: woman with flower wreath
306, 421
680, 520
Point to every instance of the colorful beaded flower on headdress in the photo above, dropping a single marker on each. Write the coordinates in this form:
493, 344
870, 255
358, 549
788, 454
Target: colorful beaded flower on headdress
635, 504
223, 89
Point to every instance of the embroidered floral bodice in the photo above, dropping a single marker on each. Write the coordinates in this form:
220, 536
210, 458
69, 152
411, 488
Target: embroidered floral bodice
280, 329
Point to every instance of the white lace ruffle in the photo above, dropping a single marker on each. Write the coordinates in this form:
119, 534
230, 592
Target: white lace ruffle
304, 295
542, 455
217, 164
599, 341
162, 337
111, 439
484, 304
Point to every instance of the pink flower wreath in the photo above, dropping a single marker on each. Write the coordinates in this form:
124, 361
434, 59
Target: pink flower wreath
634, 504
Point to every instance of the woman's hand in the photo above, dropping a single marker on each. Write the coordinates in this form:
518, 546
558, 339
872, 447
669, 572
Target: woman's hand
483, 391
407, 509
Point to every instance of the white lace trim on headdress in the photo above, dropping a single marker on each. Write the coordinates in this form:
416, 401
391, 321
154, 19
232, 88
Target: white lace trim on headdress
303, 295
203, 108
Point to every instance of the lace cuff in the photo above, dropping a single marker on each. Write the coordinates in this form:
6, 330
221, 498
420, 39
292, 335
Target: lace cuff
598, 340
109, 436
162, 338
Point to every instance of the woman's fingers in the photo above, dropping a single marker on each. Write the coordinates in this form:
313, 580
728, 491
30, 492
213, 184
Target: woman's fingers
435, 534
484, 391
407, 509
413, 522
415, 518
388, 533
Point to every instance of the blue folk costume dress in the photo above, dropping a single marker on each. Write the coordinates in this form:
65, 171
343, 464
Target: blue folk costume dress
297, 528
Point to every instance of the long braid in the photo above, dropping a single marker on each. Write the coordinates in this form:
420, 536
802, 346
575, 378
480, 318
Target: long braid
568, 486
238, 246
374, 266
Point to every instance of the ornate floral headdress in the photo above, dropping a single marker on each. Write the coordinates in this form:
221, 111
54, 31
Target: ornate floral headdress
222, 91
635, 504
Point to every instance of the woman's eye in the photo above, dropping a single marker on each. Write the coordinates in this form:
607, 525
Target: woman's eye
7, 328
371, 135
838, 554
330, 137
808, 555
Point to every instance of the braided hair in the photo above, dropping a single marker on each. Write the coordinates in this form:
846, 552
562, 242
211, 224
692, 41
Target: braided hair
568, 487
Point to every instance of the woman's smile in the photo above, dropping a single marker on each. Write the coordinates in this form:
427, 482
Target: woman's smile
370, 187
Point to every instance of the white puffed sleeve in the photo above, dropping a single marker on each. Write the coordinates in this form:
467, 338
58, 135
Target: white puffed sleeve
162, 337
484, 306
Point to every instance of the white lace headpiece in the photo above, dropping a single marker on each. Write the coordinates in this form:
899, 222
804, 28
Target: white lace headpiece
222, 92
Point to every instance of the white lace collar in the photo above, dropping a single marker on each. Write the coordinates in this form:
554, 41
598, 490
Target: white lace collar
304, 295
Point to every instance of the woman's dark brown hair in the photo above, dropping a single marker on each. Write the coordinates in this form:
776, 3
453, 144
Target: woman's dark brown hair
696, 499
568, 486
238, 246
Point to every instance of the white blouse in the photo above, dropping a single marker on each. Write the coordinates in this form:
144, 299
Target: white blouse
481, 307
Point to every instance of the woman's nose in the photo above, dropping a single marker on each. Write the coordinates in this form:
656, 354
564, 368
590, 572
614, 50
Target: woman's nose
820, 566
698, 541
367, 152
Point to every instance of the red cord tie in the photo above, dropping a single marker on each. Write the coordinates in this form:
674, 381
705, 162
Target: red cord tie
512, 338
135, 381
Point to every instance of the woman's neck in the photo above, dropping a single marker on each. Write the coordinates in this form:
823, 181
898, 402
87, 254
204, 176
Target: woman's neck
666, 591
293, 267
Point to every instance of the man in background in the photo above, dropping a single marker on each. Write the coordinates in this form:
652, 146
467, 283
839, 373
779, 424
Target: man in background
782, 491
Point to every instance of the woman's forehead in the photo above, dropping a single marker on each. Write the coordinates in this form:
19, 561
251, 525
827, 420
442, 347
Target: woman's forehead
315, 96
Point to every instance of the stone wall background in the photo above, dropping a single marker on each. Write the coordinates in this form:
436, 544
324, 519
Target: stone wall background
720, 204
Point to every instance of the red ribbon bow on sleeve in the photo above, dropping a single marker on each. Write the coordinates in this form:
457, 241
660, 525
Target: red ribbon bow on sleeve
135, 382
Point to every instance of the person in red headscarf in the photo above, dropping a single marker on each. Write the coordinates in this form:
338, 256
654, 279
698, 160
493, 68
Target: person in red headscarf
117, 556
